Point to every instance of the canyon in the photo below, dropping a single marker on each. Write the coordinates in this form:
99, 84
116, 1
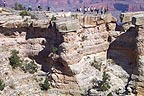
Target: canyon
74, 51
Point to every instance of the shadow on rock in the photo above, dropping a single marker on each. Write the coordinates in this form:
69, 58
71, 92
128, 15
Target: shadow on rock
123, 51
49, 56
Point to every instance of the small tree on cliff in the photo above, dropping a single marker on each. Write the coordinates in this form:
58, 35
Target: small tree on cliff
2, 85
15, 59
53, 18
45, 85
105, 82
24, 13
30, 67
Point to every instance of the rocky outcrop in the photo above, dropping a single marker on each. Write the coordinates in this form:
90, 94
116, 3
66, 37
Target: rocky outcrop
93, 36
88, 21
67, 25
14, 21
133, 45
138, 22
66, 50
126, 19
34, 39
138, 19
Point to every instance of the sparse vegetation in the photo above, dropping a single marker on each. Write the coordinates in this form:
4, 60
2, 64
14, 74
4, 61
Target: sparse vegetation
15, 59
96, 64
53, 18
105, 82
84, 38
2, 85
102, 85
31, 67
110, 94
24, 13
55, 49
15, 62
18, 6
110, 61
46, 85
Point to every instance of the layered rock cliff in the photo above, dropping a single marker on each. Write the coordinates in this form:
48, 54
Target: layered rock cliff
74, 52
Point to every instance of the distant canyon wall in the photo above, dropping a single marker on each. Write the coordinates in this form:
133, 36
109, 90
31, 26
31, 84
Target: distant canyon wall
57, 5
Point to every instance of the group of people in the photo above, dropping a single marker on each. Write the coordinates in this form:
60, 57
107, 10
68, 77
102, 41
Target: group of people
101, 10
39, 8
3, 4
29, 8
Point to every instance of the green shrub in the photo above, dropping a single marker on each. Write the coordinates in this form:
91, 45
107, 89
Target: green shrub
24, 13
55, 49
2, 85
31, 67
84, 38
15, 62
45, 85
96, 64
15, 59
110, 94
105, 82
53, 18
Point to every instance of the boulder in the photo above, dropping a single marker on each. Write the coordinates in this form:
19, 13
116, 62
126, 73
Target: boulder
138, 19
64, 14
58, 14
15, 24
99, 22
67, 26
88, 21
27, 17
109, 18
111, 26
127, 17
41, 23
50, 14
12, 17
102, 27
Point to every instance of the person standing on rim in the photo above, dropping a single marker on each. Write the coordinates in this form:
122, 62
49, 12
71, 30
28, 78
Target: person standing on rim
39, 7
4, 3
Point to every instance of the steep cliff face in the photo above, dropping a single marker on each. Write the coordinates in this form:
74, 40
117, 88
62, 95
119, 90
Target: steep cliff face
137, 20
35, 39
141, 61
74, 52
91, 38
114, 51
129, 48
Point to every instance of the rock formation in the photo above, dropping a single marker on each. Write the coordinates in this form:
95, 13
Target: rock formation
74, 51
